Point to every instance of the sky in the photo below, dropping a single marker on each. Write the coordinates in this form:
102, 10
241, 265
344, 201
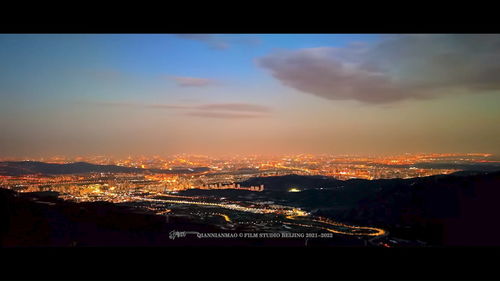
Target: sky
222, 94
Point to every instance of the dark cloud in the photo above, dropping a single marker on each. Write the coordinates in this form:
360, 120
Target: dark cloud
193, 81
396, 68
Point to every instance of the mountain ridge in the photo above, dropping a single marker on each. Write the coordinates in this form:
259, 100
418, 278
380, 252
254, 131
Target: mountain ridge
36, 167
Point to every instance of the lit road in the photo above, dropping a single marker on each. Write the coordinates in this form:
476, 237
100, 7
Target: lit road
348, 229
226, 217
299, 217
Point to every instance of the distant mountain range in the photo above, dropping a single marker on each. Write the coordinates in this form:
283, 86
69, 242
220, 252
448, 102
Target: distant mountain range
34, 167
487, 166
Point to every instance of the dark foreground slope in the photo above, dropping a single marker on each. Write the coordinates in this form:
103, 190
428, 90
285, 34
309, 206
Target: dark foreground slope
451, 210
454, 210
40, 220
457, 209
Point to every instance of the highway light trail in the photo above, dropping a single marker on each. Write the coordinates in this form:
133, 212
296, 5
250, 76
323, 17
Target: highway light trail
226, 217
292, 214
226, 206
368, 231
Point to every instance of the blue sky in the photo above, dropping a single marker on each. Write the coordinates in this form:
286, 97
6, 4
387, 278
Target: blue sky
58, 65
250, 92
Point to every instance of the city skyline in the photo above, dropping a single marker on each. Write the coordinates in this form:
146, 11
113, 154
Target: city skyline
163, 94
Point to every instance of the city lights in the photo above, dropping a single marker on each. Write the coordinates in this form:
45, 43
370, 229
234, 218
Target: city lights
158, 192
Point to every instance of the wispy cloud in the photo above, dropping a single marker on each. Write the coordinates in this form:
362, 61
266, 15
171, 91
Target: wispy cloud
396, 68
108, 75
212, 41
214, 110
226, 115
133, 105
193, 81
248, 107
166, 106
231, 111
219, 43
109, 103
